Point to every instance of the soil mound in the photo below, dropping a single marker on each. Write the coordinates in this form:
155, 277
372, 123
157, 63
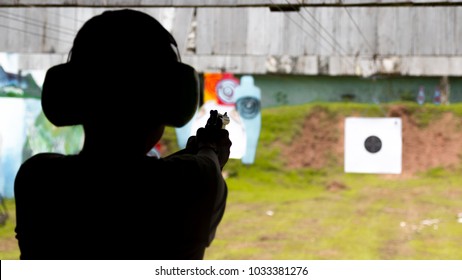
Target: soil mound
435, 144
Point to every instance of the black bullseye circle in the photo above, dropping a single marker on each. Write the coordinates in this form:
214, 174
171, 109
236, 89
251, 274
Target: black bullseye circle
373, 144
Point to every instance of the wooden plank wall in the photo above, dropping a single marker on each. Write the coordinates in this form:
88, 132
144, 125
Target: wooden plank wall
333, 41
214, 3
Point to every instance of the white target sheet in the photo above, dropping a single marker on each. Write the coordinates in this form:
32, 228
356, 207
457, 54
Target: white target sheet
373, 145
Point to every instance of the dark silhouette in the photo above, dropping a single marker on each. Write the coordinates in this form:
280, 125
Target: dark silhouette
124, 83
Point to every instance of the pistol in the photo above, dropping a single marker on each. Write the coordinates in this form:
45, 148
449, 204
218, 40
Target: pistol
217, 120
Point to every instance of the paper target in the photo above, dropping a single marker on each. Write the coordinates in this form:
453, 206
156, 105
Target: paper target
373, 145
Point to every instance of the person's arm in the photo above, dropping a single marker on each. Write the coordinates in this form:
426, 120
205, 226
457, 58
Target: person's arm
215, 145
211, 149
28, 189
211, 169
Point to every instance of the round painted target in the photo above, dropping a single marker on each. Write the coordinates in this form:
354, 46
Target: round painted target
248, 107
373, 144
225, 90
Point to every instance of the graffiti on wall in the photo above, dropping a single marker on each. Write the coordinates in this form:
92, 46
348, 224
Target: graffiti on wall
17, 89
18, 84
24, 130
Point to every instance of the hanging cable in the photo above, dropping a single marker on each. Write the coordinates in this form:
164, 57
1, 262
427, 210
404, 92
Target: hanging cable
344, 55
359, 30
36, 23
296, 23
75, 19
325, 30
35, 34
314, 28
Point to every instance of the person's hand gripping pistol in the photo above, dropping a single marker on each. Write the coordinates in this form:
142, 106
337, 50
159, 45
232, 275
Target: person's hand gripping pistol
213, 136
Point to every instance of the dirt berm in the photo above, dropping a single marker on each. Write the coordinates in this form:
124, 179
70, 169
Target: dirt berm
429, 141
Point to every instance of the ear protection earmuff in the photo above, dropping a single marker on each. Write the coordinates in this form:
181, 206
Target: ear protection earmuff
66, 100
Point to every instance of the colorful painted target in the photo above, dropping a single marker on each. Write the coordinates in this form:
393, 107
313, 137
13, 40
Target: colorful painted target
225, 91
248, 107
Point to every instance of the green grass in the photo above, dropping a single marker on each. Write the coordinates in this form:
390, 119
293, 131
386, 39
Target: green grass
8, 245
278, 213
376, 217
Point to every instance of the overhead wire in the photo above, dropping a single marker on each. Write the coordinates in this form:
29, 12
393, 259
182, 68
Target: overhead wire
33, 22
373, 51
296, 23
35, 34
325, 30
336, 46
314, 28
75, 19
344, 55
376, 99
37, 23
359, 30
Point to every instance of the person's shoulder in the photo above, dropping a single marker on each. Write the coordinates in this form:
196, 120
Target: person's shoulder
39, 160
44, 157
37, 163
31, 172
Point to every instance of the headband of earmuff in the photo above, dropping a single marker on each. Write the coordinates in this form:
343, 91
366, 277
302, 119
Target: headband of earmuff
121, 62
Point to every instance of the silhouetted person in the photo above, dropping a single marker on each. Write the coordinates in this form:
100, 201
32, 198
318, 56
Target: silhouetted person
124, 83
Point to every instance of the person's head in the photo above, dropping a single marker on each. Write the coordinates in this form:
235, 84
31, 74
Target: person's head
123, 72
